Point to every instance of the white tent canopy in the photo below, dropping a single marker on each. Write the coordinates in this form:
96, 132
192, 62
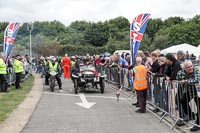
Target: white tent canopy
199, 47
185, 47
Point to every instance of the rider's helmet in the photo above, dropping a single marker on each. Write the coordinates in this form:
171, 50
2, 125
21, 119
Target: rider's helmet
53, 59
41, 58
73, 58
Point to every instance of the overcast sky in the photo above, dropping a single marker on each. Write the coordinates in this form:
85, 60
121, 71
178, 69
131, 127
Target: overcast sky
67, 11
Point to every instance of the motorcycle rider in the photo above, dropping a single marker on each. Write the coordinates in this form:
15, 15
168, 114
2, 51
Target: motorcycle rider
53, 65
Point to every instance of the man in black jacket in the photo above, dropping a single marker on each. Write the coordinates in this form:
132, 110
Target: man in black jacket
155, 67
171, 74
173, 67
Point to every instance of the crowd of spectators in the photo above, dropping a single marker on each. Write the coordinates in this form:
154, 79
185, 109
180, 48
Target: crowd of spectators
170, 67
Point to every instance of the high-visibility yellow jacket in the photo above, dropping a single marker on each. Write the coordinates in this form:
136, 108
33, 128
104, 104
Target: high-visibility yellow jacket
2, 67
72, 63
45, 62
53, 68
18, 66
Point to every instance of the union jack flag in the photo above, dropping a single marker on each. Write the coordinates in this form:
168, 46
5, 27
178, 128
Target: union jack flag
9, 37
136, 33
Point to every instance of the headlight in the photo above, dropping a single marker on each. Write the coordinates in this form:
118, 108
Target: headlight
53, 73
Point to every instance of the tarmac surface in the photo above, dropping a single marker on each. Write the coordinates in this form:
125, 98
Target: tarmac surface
88, 112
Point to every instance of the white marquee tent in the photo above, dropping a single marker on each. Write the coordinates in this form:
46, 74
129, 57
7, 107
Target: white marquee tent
199, 47
185, 47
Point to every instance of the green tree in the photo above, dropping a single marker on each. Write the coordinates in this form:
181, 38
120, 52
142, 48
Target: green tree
97, 34
173, 21
153, 26
185, 33
118, 28
161, 42
146, 43
3, 26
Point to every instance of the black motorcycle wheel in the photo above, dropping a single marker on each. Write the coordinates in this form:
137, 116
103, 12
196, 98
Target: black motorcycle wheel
52, 85
102, 85
75, 86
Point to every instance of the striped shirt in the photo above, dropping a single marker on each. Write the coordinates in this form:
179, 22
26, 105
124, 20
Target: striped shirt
191, 80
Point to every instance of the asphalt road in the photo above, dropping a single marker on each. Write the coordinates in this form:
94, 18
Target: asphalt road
58, 113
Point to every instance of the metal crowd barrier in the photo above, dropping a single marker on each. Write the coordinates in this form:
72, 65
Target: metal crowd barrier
11, 74
173, 100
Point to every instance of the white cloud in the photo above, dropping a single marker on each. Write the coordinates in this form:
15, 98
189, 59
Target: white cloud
68, 11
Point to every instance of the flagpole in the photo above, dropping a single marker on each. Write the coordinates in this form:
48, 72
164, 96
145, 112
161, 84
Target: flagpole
30, 28
30, 47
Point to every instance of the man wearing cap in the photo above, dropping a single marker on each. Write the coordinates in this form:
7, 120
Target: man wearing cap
18, 69
181, 56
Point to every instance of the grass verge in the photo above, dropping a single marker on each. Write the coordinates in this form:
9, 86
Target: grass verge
10, 101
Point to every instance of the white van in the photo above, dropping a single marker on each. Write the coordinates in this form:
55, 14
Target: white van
121, 51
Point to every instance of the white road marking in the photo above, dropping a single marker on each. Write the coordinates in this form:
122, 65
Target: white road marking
85, 103
71, 90
65, 94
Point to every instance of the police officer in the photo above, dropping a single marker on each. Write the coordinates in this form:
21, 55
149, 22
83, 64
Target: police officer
3, 73
18, 69
53, 65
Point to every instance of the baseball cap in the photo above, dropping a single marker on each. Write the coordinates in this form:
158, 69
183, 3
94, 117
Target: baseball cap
180, 52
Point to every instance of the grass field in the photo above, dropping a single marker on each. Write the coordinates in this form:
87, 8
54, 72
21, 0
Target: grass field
10, 101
